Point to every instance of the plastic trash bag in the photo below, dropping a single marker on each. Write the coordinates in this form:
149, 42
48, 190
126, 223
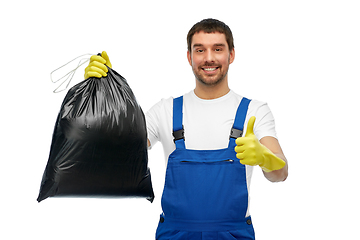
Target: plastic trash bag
99, 144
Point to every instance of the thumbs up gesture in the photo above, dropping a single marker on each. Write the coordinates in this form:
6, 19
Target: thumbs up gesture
251, 152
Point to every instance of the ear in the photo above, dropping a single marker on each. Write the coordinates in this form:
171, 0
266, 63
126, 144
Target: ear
232, 55
189, 58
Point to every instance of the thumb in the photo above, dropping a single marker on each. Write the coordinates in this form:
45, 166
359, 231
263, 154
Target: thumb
250, 126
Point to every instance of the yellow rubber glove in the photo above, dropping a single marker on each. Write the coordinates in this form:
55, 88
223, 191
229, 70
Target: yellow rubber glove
251, 152
96, 67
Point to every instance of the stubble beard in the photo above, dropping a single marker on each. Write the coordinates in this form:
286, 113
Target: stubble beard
213, 82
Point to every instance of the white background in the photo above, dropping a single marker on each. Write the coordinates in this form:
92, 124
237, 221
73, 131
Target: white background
302, 57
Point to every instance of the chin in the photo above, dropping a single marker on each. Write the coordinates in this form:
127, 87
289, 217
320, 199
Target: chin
210, 82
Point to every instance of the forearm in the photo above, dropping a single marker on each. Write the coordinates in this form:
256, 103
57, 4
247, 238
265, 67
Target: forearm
278, 175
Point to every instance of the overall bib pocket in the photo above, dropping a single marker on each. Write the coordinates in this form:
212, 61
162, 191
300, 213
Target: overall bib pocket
212, 185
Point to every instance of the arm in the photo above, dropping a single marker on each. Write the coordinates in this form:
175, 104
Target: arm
273, 145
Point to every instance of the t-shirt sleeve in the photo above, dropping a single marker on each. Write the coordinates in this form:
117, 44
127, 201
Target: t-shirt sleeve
159, 122
152, 124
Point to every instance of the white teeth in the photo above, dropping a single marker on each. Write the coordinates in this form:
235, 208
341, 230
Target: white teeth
209, 69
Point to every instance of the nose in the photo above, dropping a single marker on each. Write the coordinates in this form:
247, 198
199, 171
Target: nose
209, 56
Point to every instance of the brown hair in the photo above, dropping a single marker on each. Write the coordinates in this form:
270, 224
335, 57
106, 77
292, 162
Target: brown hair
210, 26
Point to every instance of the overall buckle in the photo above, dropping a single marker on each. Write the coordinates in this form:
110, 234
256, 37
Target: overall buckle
179, 134
235, 133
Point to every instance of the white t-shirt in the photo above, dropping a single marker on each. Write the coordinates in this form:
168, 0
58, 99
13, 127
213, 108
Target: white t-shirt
207, 123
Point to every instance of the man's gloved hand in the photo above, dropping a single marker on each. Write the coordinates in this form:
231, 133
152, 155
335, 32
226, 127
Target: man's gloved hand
251, 152
96, 67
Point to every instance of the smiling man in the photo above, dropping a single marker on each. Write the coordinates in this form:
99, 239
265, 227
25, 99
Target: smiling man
210, 57
212, 139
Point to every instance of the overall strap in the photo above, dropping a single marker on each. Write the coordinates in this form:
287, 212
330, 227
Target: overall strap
178, 128
238, 127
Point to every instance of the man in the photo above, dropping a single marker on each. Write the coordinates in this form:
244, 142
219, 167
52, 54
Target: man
206, 188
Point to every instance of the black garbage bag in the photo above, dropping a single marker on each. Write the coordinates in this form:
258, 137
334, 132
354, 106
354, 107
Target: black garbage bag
99, 144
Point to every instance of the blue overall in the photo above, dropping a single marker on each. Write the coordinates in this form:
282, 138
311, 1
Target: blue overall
205, 194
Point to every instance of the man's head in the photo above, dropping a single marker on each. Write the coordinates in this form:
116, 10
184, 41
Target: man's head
210, 26
211, 51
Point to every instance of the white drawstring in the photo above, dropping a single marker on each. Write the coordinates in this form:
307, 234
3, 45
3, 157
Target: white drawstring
70, 74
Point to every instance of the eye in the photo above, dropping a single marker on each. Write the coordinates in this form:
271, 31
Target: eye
218, 50
199, 50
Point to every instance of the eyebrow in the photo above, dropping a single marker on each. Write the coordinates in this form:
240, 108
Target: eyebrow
216, 44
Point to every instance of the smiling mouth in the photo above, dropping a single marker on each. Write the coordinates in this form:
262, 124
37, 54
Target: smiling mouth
210, 69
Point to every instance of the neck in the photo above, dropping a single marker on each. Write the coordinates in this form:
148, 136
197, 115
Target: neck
209, 92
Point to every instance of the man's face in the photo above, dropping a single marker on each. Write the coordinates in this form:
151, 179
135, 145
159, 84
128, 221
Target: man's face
210, 57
